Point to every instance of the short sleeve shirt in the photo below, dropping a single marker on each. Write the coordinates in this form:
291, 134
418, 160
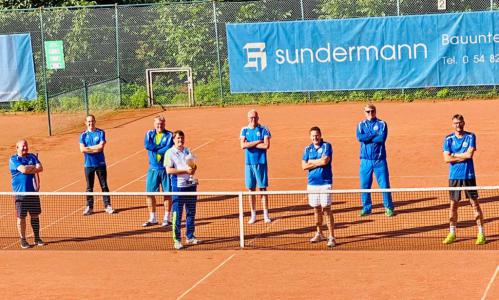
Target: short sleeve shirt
453, 144
320, 175
175, 158
92, 138
255, 156
22, 182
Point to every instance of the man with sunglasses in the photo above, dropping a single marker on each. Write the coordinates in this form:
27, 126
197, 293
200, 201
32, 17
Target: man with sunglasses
372, 133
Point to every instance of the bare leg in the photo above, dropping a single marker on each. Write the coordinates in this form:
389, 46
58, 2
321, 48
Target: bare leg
329, 220
167, 203
252, 203
21, 227
453, 213
478, 212
265, 205
318, 219
151, 206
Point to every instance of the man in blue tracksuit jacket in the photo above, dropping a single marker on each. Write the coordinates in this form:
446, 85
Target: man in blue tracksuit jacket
372, 133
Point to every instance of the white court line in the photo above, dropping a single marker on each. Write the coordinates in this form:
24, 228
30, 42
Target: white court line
110, 166
206, 276
139, 178
125, 185
490, 283
78, 209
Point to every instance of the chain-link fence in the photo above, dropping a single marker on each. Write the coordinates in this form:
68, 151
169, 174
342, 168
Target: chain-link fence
102, 43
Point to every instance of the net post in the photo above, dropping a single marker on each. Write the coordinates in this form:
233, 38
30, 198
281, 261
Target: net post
241, 220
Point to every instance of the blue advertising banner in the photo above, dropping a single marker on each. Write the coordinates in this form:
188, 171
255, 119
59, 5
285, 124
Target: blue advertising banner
17, 68
368, 53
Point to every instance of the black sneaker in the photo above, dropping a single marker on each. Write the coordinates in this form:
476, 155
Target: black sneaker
39, 242
24, 244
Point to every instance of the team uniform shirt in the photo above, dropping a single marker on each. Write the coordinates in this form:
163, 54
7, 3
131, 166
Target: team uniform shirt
157, 145
372, 136
22, 182
92, 138
255, 156
453, 144
175, 158
320, 175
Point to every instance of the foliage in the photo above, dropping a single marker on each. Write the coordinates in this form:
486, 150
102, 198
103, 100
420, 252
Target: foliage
37, 105
443, 93
338, 9
134, 96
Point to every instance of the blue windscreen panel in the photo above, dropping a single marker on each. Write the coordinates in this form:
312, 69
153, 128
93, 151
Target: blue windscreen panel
366, 53
17, 68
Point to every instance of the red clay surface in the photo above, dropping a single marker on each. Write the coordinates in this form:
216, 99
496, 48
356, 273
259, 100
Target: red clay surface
416, 132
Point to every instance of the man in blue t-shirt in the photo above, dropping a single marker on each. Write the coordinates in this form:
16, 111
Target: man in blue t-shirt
316, 160
459, 148
255, 140
24, 168
372, 133
92, 142
157, 141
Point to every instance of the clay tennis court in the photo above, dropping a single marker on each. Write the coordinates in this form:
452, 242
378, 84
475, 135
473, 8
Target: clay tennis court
414, 147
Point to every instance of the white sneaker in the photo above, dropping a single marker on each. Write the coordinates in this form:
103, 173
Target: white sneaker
252, 220
266, 219
317, 238
193, 241
88, 211
109, 209
177, 245
331, 242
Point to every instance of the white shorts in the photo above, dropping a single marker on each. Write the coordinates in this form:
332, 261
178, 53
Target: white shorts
314, 200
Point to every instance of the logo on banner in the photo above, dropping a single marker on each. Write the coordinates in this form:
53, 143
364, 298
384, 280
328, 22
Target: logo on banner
256, 56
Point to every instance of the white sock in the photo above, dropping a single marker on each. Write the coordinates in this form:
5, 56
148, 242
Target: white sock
167, 216
152, 216
480, 229
253, 213
453, 229
266, 213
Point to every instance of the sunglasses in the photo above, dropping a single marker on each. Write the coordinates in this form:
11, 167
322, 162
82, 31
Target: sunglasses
370, 111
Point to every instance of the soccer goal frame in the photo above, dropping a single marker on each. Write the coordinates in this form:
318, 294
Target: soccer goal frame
149, 84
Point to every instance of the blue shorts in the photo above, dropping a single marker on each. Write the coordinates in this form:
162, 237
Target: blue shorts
156, 178
256, 175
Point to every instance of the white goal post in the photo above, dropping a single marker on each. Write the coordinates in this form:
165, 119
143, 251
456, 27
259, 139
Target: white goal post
149, 83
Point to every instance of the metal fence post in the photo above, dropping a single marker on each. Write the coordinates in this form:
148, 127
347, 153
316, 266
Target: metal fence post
218, 53
44, 74
398, 7
117, 35
85, 97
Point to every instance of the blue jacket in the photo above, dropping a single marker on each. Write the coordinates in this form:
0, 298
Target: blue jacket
153, 149
372, 136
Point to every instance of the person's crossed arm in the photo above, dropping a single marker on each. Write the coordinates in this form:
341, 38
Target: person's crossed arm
459, 157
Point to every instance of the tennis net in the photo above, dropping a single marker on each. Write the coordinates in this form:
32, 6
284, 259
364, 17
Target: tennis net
421, 221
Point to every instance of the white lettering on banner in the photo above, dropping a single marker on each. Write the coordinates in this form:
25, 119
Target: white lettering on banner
255, 53
488, 38
352, 53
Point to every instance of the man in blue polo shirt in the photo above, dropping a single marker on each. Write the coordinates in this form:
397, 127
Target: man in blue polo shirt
255, 140
157, 141
372, 133
316, 160
459, 148
24, 168
92, 142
